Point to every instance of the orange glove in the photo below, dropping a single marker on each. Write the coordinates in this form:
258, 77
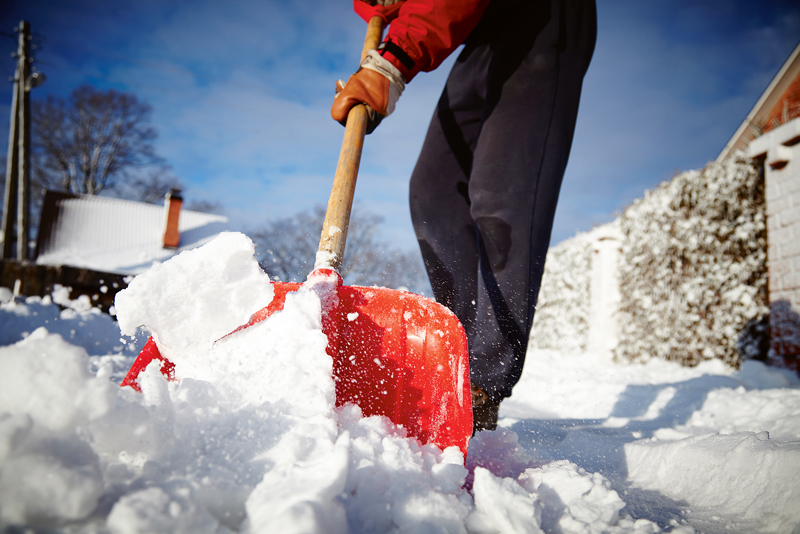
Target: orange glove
378, 84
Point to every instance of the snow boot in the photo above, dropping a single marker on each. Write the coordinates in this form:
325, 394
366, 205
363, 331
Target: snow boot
484, 410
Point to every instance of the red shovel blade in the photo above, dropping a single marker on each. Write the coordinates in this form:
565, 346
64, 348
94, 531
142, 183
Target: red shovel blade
394, 354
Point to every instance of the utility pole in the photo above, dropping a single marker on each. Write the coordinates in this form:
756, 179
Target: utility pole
10, 196
16, 201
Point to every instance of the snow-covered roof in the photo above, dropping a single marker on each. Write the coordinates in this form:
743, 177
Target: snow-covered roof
115, 235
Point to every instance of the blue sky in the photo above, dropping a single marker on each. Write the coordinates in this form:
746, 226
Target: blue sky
241, 92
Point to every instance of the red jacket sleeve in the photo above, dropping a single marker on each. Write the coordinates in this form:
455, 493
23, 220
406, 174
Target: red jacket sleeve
427, 31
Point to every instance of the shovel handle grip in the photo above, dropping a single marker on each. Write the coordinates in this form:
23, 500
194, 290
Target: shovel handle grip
337, 218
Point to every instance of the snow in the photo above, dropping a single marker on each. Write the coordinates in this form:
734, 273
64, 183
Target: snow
249, 438
733, 474
173, 298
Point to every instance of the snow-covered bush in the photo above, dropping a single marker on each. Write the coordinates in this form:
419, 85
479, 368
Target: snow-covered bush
693, 272
562, 311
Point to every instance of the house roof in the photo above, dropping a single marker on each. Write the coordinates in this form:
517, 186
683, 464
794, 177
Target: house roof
114, 235
779, 103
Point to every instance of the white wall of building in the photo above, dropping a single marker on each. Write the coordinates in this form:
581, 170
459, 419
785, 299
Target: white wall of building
780, 150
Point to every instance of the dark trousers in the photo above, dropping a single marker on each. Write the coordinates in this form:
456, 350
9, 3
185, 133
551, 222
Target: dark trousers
484, 191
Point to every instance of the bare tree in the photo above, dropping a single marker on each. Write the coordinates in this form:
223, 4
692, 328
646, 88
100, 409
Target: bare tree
206, 206
149, 186
287, 247
88, 143
154, 183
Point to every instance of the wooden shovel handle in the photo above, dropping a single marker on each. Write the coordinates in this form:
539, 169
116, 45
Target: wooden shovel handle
337, 219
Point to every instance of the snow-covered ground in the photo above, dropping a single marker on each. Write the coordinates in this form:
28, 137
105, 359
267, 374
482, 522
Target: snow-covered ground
249, 439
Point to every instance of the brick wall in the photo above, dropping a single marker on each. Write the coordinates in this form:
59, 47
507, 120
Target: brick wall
787, 108
779, 149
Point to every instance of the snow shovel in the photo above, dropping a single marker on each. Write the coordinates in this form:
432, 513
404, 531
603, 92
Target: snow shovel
394, 353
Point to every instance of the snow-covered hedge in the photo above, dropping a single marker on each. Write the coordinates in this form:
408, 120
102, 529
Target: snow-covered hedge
562, 313
693, 272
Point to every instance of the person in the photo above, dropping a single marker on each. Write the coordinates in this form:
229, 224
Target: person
484, 189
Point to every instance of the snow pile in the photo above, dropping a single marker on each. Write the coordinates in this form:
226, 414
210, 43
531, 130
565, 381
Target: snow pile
249, 438
759, 403
562, 311
747, 475
693, 273
49, 474
516, 494
74, 320
708, 446
174, 298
